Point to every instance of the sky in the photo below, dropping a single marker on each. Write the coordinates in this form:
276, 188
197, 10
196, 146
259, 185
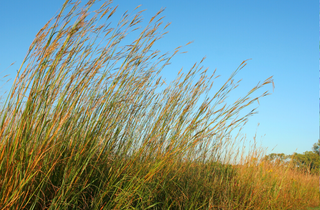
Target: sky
280, 37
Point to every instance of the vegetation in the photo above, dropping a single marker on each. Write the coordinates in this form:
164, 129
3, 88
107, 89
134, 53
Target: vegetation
90, 124
308, 162
316, 147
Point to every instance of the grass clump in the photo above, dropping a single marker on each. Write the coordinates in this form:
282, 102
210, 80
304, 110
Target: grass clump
90, 124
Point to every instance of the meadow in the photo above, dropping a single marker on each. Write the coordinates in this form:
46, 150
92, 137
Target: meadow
89, 123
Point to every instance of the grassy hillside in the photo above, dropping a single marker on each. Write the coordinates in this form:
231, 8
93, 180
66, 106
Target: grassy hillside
90, 124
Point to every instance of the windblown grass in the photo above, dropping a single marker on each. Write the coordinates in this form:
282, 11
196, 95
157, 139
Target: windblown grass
89, 124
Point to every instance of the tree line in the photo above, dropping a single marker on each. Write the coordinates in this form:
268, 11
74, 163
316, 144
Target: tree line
308, 161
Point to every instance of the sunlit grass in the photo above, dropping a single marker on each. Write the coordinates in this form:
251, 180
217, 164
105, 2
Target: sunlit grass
90, 124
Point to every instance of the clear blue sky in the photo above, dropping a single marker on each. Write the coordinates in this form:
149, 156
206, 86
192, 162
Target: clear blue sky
281, 37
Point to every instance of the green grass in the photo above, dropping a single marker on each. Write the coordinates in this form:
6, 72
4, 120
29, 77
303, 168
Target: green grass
90, 124
313, 208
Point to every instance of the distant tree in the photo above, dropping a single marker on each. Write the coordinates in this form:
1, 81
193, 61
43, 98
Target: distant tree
316, 147
308, 162
279, 158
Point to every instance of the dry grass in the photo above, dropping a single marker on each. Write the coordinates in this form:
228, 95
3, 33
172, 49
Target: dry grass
89, 124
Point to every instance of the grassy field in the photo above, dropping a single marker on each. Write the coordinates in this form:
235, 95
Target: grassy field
90, 124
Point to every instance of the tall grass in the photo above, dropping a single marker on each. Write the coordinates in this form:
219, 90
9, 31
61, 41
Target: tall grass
90, 124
